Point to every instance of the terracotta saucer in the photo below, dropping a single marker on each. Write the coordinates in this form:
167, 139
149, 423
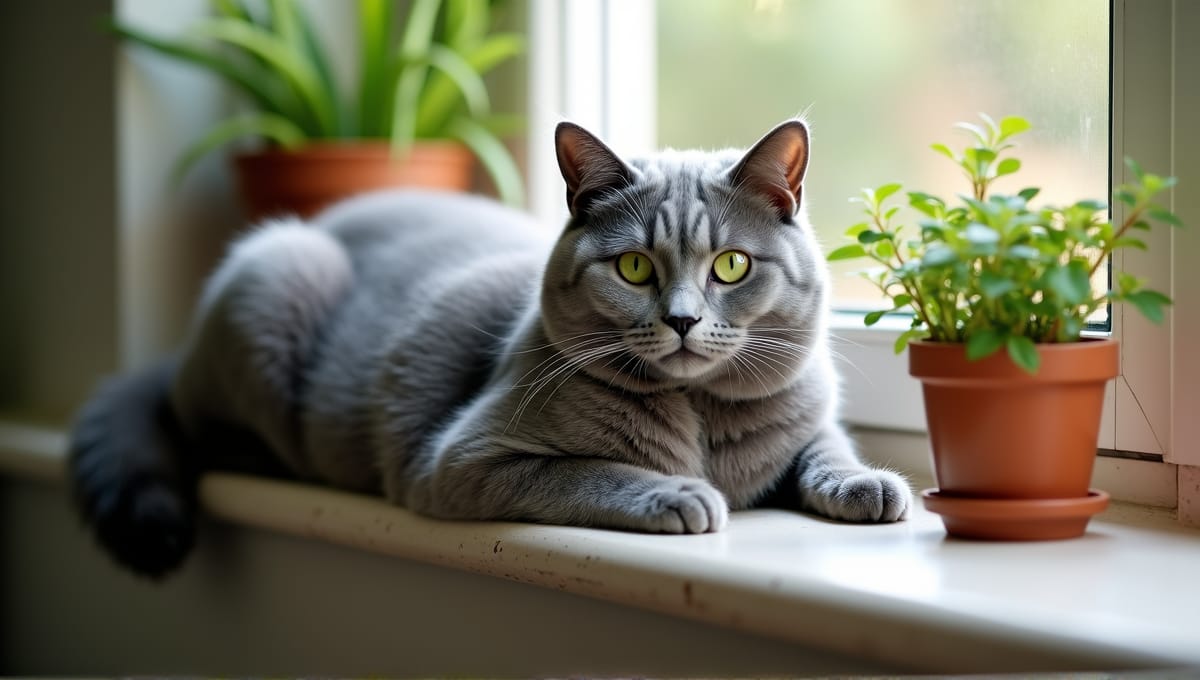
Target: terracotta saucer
1015, 519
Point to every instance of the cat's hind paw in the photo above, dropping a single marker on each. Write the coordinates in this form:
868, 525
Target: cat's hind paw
869, 496
680, 505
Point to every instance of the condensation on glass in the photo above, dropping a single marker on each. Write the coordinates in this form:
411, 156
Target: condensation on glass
879, 80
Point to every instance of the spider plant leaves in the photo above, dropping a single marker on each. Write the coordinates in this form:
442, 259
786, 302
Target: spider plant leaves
467, 22
442, 94
244, 79
415, 83
496, 159
465, 82
375, 80
267, 125
310, 46
405, 100
465, 78
418, 30
274, 51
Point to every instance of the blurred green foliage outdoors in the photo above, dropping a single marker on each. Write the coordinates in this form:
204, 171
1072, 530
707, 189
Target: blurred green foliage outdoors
878, 80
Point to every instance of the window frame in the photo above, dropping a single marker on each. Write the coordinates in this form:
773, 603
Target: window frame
584, 51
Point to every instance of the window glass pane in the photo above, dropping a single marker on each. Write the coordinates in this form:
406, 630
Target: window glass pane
879, 80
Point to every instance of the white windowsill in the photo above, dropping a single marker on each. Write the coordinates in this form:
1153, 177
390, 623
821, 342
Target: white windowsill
1124, 596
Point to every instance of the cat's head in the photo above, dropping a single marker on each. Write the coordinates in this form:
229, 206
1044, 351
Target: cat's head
687, 268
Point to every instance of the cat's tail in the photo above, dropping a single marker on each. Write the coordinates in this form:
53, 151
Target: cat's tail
132, 477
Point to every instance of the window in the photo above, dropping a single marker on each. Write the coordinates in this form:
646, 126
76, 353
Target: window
884, 78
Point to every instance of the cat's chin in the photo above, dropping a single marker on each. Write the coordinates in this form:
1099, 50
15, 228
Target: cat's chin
684, 364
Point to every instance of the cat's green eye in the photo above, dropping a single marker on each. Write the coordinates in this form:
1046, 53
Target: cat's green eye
731, 266
635, 268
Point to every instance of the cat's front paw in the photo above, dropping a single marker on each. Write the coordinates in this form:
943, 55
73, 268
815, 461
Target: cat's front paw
680, 505
867, 496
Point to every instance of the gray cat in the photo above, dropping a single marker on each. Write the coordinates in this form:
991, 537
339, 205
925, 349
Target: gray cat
660, 362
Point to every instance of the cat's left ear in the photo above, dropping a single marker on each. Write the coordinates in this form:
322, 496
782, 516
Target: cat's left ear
589, 168
774, 167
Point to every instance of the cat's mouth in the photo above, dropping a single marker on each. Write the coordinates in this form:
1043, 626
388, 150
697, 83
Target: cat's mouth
685, 354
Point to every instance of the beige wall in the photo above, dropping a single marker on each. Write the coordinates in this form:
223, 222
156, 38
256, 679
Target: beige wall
57, 206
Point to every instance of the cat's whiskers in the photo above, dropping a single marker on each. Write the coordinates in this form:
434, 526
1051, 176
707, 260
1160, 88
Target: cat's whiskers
578, 367
753, 372
828, 336
802, 352
562, 365
773, 359
569, 369
562, 351
560, 342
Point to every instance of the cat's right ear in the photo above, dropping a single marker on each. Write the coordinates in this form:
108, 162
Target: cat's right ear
588, 166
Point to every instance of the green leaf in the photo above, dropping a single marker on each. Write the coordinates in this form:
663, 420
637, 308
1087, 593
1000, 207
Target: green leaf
873, 318
975, 130
1164, 215
1028, 193
995, 285
1024, 252
1012, 125
440, 97
1126, 196
1127, 282
857, 229
939, 256
271, 126
867, 237
286, 24
1023, 352
1129, 242
983, 343
468, 82
276, 53
885, 191
374, 26
1092, 205
405, 99
1007, 167
901, 300
1070, 283
466, 23
418, 30
944, 150
1150, 303
494, 156
1135, 168
316, 55
981, 234
849, 252
885, 249
249, 83
907, 336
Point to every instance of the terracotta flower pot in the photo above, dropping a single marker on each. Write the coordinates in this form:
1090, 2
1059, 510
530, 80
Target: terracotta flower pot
302, 182
1013, 452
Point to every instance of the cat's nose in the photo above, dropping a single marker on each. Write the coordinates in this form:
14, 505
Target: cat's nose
681, 324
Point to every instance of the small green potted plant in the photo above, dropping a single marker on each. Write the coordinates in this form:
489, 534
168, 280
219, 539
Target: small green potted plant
418, 116
999, 292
